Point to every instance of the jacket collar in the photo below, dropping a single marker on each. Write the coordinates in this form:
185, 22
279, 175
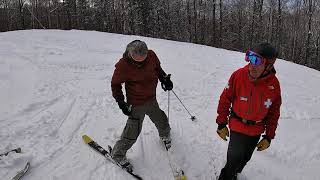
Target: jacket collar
265, 76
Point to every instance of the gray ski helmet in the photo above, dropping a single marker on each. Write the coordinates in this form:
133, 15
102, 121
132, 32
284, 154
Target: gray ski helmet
137, 47
267, 51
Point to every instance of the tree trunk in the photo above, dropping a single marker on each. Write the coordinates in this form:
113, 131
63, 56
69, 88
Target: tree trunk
259, 24
279, 28
309, 33
240, 26
252, 29
6, 11
204, 29
213, 39
189, 20
49, 15
296, 25
317, 50
22, 22
220, 23
195, 37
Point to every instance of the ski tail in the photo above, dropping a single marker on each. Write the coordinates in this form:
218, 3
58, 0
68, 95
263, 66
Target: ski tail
134, 175
177, 172
181, 176
21, 173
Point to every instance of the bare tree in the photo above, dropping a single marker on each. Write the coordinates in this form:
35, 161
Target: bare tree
21, 15
310, 6
220, 22
195, 18
82, 13
189, 20
213, 39
291, 25
279, 27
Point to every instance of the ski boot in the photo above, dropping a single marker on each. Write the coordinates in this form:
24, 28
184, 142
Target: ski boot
125, 164
166, 141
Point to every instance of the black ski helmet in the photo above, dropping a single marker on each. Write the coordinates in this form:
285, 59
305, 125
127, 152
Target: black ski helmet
267, 51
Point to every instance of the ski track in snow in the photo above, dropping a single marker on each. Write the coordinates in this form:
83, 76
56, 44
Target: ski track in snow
55, 87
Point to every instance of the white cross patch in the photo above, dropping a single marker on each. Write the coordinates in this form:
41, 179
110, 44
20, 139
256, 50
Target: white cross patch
268, 103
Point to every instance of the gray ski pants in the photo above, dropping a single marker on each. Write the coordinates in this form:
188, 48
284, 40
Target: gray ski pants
134, 125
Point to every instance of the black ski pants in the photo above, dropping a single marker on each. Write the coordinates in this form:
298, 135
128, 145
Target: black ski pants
240, 150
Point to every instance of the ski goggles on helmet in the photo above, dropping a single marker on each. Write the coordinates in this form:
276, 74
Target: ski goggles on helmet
254, 58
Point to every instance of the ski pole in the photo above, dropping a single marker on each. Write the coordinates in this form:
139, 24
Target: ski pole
192, 117
168, 104
18, 150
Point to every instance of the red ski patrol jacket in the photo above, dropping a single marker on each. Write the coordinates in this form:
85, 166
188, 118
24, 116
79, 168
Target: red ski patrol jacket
257, 101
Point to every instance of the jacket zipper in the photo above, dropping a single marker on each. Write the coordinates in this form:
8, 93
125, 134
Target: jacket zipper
250, 102
261, 103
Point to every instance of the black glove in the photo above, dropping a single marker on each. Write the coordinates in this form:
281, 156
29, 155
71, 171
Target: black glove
125, 107
166, 83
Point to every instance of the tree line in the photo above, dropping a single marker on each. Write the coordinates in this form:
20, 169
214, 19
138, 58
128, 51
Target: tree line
292, 26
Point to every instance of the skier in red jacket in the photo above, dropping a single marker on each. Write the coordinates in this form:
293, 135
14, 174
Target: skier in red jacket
249, 105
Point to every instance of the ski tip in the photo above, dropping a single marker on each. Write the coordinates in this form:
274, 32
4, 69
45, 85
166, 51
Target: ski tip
182, 177
86, 139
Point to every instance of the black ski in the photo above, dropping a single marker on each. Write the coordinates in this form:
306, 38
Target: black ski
177, 172
17, 150
21, 173
106, 154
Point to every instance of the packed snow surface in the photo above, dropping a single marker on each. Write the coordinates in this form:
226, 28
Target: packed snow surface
55, 87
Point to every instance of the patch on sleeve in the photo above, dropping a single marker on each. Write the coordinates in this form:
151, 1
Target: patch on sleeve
268, 103
242, 98
271, 87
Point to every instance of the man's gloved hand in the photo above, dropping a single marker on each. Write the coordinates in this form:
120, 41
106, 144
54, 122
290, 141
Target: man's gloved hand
223, 131
125, 107
264, 143
166, 83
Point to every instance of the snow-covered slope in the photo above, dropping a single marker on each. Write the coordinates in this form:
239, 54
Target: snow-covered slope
55, 87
